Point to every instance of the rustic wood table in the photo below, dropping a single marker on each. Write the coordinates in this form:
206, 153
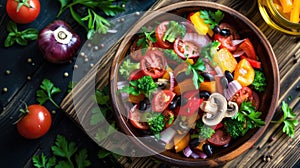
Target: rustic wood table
28, 69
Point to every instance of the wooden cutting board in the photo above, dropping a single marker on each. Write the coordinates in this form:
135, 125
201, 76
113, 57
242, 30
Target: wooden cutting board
281, 152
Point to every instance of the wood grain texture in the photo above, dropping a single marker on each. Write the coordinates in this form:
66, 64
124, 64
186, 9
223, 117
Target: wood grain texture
283, 151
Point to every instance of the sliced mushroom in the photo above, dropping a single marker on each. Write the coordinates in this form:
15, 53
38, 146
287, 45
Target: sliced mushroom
215, 109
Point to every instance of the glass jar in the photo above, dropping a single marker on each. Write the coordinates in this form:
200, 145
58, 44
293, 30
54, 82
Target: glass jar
274, 18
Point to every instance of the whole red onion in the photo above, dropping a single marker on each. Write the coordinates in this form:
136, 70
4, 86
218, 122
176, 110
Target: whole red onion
58, 42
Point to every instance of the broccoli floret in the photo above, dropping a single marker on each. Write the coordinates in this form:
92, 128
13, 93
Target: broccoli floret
205, 131
235, 128
259, 82
127, 67
156, 123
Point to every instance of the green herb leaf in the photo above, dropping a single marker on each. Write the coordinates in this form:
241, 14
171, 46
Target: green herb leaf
103, 153
156, 123
174, 30
63, 148
289, 120
205, 131
97, 115
169, 53
46, 92
211, 18
81, 159
259, 82
19, 37
102, 133
11, 27
43, 162
64, 164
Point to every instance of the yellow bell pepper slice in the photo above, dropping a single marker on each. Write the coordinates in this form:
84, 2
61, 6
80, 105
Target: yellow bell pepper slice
201, 27
287, 5
225, 60
244, 73
295, 12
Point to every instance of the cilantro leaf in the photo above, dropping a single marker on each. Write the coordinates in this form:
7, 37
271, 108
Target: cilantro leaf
46, 92
210, 50
174, 30
195, 68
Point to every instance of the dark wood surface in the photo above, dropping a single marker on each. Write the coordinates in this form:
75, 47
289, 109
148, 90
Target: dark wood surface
17, 151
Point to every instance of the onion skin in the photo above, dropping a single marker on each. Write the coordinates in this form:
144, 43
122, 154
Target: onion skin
53, 50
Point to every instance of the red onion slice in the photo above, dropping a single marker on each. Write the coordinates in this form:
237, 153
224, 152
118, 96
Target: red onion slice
167, 135
172, 81
233, 87
120, 85
238, 53
237, 42
187, 151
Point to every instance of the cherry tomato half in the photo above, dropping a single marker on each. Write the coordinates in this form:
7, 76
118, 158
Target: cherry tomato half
36, 122
159, 34
135, 118
226, 42
161, 100
219, 138
169, 118
186, 49
254, 99
154, 63
242, 95
25, 14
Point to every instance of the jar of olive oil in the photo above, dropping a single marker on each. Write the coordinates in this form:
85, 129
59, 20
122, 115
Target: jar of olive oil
272, 13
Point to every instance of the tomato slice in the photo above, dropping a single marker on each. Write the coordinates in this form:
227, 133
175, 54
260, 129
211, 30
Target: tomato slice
242, 95
254, 99
161, 100
248, 48
190, 103
154, 63
226, 42
136, 74
159, 34
186, 49
135, 118
244, 73
169, 118
136, 51
219, 138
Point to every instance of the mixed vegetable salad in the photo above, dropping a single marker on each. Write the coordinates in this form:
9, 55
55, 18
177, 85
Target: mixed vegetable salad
193, 85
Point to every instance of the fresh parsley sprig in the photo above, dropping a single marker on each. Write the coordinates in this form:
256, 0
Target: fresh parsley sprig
195, 68
288, 119
146, 38
93, 22
67, 152
246, 118
46, 92
212, 18
43, 162
19, 37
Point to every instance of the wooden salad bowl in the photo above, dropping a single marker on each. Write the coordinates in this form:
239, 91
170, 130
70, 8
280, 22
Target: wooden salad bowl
268, 100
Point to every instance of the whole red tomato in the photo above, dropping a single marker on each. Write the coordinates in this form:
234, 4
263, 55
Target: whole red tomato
36, 123
23, 11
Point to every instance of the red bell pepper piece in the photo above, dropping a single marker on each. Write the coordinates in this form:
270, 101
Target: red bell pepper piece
254, 63
248, 48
